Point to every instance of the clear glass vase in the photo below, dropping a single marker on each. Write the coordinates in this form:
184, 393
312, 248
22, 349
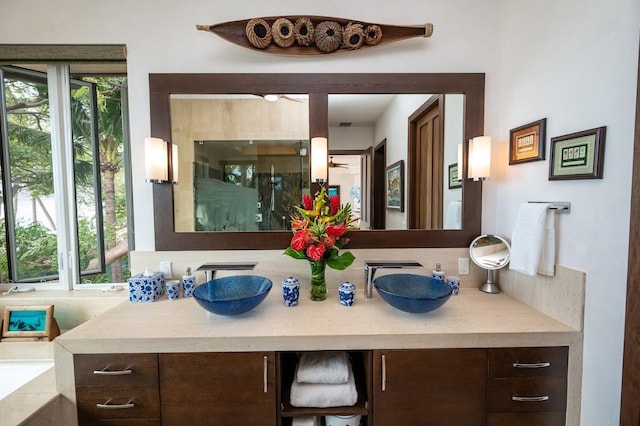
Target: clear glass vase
318, 283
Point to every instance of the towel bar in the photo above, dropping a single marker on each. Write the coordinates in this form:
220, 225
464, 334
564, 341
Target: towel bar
561, 207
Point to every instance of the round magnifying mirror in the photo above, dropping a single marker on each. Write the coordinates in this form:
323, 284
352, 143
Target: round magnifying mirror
490, 252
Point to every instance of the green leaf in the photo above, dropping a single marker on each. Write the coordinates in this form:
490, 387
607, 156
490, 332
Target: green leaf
296, 254
340, 262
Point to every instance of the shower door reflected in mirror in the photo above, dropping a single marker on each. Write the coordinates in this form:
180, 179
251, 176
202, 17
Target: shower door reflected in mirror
248, 185
251, 152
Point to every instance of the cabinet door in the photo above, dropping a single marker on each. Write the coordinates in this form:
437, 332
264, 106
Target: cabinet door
218, 388
430, 387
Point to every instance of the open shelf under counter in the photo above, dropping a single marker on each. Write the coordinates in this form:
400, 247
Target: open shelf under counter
361, 364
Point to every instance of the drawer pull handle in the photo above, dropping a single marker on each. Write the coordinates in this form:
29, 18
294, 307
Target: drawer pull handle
106, 372
384, 373
108, 406
530, 398
531, 364
265, 376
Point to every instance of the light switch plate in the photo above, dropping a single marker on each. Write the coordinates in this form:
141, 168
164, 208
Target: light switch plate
463, 266
165, 268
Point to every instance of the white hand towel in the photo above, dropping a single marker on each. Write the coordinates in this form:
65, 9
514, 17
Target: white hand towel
328, 367
547, 265
320, 395
306, 421
453, 216
528, 239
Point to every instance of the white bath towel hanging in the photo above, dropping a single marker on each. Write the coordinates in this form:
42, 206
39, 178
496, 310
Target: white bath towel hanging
533, 240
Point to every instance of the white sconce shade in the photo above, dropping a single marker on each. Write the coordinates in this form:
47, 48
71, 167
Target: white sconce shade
174, 162
480, 157
319, 159
155, 160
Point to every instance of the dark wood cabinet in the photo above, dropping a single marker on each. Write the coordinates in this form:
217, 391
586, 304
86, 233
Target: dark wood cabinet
430, 387
527, 386
227, 388
117, 389
437, 387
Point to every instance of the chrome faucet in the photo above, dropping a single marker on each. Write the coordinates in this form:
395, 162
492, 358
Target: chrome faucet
371, 266
210, 268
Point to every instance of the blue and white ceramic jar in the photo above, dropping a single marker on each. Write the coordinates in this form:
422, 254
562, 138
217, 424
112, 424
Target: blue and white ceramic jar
347, 293
290, 291
188, 285
454, 282
173, 289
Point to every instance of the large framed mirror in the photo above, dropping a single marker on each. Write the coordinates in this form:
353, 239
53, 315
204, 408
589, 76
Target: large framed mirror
313, 91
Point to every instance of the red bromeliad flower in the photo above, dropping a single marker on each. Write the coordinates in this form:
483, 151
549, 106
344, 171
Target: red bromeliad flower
307, 202
335, 204
319, 226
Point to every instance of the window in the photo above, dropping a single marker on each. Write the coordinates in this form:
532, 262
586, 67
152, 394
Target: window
64, 177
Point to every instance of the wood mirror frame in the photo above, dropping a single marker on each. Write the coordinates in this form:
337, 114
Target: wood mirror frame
318, 87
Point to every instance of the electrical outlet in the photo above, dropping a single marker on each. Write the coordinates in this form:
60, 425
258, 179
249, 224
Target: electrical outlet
463, 266
165, 268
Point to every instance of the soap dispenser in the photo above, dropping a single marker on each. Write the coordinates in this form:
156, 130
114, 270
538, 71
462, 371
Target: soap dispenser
188, 283
438, 273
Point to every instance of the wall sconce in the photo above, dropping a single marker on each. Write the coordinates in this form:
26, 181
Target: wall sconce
319, 165
174, 162
156, 160
479, 158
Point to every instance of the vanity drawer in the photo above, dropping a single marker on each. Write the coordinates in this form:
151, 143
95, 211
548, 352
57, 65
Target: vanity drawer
540, 418
528, 362
116, 369
117, 402
527, 394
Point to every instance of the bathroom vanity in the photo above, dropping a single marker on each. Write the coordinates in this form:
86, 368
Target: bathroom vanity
480, 359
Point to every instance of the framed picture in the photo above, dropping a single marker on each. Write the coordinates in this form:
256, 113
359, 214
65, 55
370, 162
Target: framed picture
527, 143
578, 155
454, 178
395, 186
28, 321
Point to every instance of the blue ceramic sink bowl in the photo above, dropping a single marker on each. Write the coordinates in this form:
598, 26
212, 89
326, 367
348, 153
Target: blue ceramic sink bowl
412, 293
233, 295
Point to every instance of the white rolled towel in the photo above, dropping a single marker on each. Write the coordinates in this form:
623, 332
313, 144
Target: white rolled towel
321, 395
327, 367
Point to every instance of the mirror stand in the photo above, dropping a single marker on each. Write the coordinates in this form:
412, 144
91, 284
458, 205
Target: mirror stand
490, 286
491, 253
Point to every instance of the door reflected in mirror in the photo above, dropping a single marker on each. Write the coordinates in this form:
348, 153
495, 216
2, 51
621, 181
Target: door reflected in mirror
358, 123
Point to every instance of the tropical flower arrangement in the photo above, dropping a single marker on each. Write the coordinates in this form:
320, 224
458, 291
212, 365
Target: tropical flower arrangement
319, 227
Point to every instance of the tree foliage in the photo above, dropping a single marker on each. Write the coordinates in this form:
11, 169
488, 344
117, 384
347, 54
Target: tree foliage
31, 172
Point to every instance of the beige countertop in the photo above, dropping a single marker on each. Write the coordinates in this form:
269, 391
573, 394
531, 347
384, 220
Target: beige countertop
471, 319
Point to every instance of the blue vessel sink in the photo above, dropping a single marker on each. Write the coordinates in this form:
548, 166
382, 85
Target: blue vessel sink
412, 293
233, 295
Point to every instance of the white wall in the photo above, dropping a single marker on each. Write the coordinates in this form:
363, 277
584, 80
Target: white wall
575, 64
572, 62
